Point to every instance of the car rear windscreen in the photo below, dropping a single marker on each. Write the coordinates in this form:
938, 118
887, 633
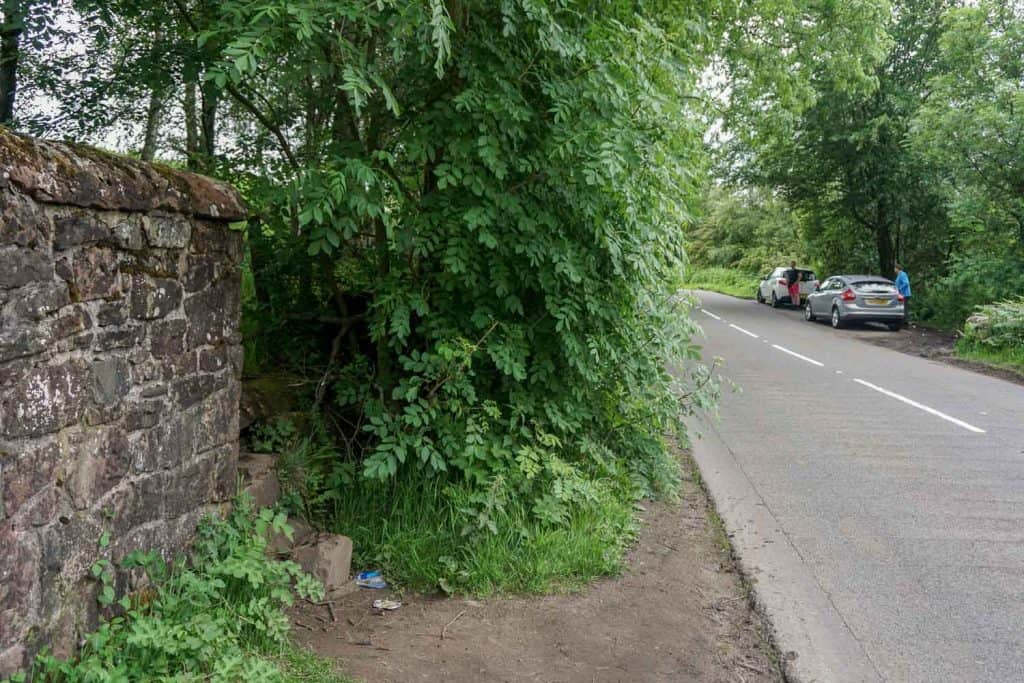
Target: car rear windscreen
874, 287
807, 275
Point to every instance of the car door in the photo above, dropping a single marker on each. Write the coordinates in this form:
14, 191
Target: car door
774, 280
833, 291
814, 298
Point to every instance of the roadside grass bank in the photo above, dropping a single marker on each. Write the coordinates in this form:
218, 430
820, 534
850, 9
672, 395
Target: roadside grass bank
679, 610
994, 335
427, 535
1011, 360
721, 280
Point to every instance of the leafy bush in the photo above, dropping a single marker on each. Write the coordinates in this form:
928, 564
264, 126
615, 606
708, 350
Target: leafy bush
968, 281
997, 326
218, 617
471, 260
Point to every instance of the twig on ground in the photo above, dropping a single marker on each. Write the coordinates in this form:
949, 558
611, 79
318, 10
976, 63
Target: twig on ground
305, 626
445, 629
749, 667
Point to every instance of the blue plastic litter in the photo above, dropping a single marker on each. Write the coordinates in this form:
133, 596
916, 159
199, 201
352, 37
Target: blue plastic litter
372, 579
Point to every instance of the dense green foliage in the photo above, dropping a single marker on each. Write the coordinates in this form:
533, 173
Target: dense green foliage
725, 280
923, 164
217, 617
467, 227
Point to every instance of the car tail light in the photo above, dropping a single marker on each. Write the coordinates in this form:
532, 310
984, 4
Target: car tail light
848, 295
782, 281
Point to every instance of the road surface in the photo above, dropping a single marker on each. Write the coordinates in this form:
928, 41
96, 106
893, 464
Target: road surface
875, 499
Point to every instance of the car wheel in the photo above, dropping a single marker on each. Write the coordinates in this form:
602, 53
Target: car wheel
775, 301
760, 299
837, 322
808, 316
894, 327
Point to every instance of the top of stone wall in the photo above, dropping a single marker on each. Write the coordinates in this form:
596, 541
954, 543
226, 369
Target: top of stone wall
76, 175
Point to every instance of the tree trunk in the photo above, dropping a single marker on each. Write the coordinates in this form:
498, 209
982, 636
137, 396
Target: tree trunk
153, 115
191, 128
208, 122
886, 253
10, 35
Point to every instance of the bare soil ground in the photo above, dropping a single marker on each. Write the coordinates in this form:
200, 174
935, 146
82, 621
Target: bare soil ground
680, 612
934, 344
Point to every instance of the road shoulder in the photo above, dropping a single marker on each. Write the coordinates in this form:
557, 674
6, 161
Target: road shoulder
680, 611
814, 641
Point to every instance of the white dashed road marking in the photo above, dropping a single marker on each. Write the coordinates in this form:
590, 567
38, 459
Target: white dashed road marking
707, 312
797, 355
921, 406
746, 332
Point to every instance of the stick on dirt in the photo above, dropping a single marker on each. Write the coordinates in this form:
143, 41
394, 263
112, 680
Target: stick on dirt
445, 629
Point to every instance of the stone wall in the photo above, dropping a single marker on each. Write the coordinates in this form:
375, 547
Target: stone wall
120, 360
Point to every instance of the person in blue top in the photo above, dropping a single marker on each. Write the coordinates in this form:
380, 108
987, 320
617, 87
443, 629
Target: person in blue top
903, 287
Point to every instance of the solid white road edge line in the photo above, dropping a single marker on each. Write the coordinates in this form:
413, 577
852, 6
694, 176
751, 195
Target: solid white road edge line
707, 312
920, 406
746, 332
797, 355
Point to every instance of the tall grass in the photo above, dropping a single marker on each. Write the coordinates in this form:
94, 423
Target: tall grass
722, 280
424, 535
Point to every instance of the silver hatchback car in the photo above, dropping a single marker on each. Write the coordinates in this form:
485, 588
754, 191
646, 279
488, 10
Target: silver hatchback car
843, 299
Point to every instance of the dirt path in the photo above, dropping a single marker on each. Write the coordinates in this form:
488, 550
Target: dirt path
679, 613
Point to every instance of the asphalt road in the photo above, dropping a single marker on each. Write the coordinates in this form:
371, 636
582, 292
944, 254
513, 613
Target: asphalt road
876, 499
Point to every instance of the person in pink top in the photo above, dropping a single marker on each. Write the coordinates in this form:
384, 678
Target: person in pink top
793, 281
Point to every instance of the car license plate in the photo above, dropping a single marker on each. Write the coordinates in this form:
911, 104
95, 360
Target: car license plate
878, 302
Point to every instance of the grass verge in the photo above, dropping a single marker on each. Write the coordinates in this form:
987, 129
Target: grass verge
427, 535
1011, 359
722, 280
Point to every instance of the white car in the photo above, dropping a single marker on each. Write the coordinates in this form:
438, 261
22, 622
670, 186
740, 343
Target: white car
774, 289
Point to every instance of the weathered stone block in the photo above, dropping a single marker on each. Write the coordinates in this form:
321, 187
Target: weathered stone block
154, 297
22, 222
143, 415
217, 419
278, 544
191, 390
18, 342
94, 274
111, 380
112, 313
50, 399
19, 588
98, 459
259, 478
126, 230
22, 266
25, 472
214, 359
328, 557
201, 271
212, 314
167, 230
80, 227
35, 302
124, 337
167, 337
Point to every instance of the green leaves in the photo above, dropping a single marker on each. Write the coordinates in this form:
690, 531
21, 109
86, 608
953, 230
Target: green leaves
212, 618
